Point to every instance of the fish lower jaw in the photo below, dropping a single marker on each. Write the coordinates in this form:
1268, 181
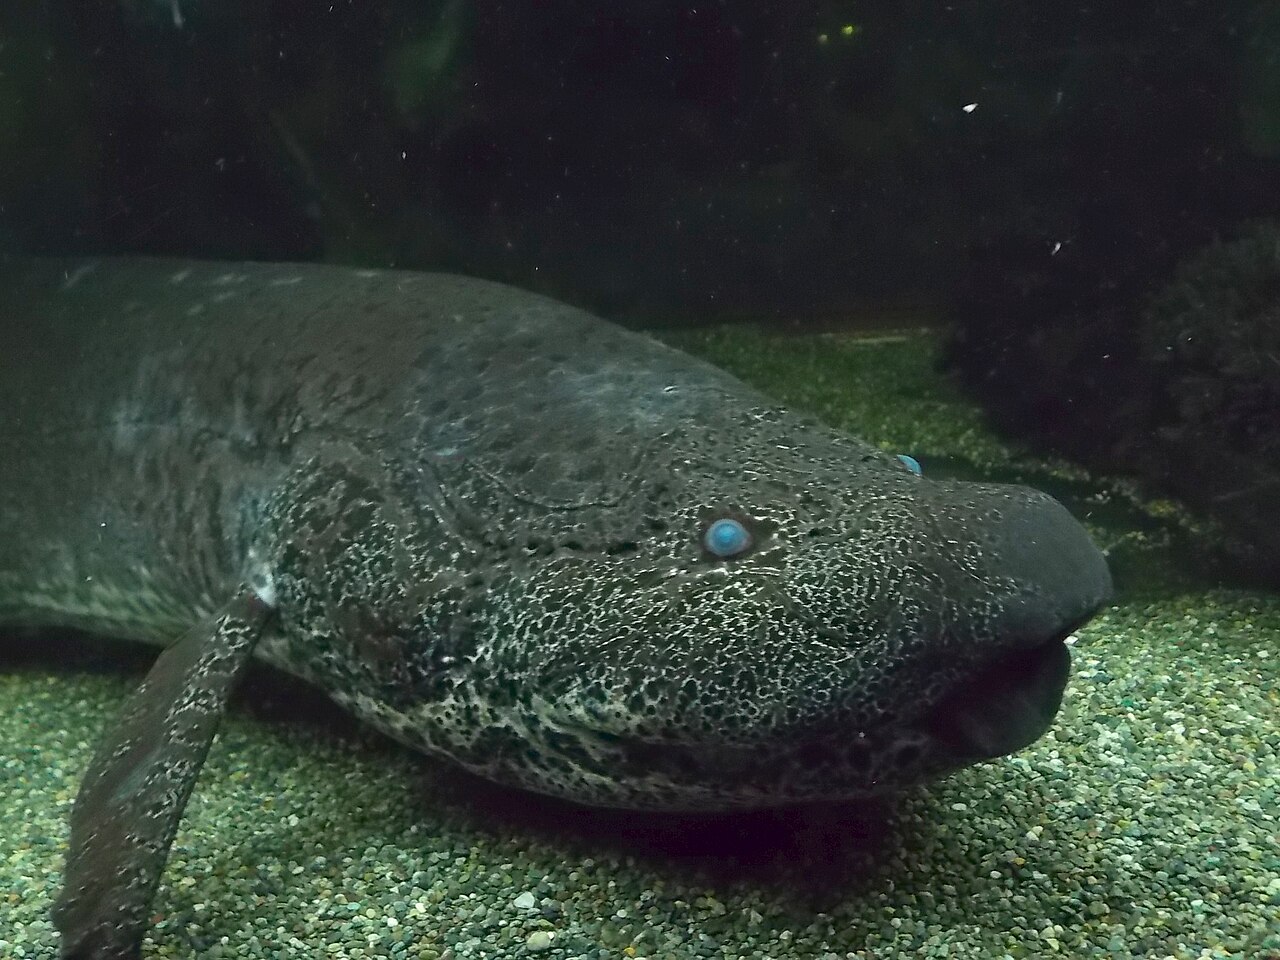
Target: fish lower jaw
1004, 707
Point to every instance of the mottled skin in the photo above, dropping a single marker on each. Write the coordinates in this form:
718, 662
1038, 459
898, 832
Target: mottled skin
474, 516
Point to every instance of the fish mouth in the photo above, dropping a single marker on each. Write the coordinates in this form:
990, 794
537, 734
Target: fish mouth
1005, 706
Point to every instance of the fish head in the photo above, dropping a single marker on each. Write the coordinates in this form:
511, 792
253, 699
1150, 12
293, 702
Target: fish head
758, 613
816, 624
650, 587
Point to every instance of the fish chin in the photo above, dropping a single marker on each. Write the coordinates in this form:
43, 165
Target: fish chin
1005, 706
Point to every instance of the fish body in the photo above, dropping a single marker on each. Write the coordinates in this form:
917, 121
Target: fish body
502, 530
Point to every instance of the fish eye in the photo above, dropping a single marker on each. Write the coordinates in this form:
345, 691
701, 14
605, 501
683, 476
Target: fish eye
911, 463
726, 537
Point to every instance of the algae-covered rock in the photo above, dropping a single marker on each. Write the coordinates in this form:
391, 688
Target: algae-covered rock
1171, 376
1212, 339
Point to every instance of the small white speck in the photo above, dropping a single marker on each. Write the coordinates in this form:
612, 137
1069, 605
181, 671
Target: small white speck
261, 581
969, 107
78, 274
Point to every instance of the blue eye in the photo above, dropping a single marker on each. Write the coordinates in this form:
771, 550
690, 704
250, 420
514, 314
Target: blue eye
726, 538
912, 463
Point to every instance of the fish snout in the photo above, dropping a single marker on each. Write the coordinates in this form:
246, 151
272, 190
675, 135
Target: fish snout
1058, 575
1051, 579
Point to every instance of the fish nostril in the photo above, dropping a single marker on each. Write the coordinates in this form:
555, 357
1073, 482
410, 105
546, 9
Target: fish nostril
908, 754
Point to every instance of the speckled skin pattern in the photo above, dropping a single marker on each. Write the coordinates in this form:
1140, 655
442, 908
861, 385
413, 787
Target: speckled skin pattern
133, 794
476, 515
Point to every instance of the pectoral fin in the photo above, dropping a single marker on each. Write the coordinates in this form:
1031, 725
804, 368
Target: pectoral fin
138, 782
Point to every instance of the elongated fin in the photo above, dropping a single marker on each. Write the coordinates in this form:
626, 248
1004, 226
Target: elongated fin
132, 797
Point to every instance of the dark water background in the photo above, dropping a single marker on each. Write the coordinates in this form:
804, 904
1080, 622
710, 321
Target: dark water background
645, 158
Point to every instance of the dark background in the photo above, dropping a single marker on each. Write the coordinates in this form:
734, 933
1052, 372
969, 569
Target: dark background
647, 158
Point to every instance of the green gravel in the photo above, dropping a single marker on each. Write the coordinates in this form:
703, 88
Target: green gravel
1144, 825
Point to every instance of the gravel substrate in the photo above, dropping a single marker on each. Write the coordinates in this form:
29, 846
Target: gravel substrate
1145, 825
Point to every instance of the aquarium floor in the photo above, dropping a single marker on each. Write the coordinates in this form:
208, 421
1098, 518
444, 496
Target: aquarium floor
1145, 825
